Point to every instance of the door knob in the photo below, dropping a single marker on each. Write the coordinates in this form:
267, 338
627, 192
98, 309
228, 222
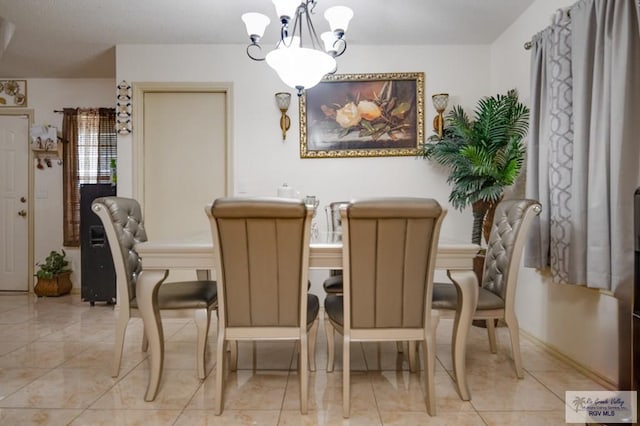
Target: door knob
22, 213
23, 200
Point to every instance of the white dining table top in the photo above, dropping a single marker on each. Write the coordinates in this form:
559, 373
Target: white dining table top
196, 252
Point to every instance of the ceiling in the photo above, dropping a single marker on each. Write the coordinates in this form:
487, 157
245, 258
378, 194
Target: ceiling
77, 38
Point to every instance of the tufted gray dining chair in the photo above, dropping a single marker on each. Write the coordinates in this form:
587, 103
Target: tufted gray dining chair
496, 297
124, 228
388, 256
262, 265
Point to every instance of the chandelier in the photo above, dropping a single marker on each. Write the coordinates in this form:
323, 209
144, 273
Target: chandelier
299, 58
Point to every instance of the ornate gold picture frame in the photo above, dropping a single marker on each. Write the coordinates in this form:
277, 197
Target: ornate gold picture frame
363, 115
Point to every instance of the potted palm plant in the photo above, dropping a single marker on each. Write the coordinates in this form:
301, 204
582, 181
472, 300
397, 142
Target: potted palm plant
53, 275
485, 155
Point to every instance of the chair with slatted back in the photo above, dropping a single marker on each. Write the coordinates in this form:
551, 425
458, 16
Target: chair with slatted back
262, 257
389, 252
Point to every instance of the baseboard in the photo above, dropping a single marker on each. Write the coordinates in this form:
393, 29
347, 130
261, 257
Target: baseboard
593, 375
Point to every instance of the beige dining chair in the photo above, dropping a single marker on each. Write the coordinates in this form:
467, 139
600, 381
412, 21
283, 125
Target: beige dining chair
124, 228
496, 297
262, 267
389, 253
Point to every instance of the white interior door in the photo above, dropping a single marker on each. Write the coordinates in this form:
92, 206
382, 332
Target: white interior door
185, 161
14, 196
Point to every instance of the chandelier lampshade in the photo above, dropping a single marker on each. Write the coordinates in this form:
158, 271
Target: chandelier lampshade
299, 67
300, 58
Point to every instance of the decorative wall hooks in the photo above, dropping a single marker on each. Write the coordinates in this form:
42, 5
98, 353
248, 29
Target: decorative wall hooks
123, 108
45, 144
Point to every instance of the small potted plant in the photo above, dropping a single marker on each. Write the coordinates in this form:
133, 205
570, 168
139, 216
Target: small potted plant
53, 275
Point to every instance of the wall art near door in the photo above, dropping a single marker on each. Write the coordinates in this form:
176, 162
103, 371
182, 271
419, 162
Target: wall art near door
13, 93
363, 115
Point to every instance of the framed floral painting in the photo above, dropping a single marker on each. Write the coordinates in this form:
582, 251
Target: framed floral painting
363, 115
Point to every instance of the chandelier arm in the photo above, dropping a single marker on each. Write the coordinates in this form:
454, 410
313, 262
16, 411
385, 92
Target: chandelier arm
340, 46
313, 35
249, 54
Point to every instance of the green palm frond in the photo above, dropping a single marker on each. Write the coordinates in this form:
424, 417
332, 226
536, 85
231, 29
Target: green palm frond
485, 154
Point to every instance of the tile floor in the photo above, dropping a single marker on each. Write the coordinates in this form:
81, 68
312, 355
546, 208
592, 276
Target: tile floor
55, 364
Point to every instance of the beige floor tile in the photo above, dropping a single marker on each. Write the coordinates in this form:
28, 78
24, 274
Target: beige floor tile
42, 354
259, 390
12, 379
502, 391
398, 391
37, 416
523, 418
331, 415
176, 390
229, 417
100, 357
403, 418
561, 381
126, 417
61, 389
325, 391
56, 356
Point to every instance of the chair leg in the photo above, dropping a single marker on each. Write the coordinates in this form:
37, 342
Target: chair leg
304, 373
121, 328
331, 345
220, 356
491, 331
413, 350
233, 355
145, 342
514, 332
429, 353
346, 380
313, 334
202, 318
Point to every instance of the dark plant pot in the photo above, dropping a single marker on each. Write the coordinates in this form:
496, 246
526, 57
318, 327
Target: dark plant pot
56, 286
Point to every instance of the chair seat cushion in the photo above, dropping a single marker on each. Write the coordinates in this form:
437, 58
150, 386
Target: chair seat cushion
186, 295
333, 284
333, 307
313, 307
446, 297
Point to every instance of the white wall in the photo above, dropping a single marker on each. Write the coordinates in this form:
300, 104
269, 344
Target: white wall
45, 96
578, 322
263, 161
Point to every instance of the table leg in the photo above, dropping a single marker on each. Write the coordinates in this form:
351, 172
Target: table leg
147, 286
467, 287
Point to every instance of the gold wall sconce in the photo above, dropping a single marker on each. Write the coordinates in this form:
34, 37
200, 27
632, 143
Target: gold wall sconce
283, 99
440, 101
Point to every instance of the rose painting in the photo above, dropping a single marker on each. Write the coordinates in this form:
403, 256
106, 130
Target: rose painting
357, 115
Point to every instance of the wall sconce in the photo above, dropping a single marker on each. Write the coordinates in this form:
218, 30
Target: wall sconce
283, 99
440, 101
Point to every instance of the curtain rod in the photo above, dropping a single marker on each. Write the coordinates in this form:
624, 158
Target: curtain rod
567, 10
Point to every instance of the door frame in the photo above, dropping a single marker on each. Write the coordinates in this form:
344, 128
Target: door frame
138, 91
29, 113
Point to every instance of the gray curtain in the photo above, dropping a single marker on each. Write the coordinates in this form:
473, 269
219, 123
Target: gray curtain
550, 150
584, 145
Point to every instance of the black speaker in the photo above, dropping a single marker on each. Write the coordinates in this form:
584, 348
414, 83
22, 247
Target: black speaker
98, 276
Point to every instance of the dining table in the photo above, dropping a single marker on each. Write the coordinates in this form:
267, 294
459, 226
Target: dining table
197, 253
